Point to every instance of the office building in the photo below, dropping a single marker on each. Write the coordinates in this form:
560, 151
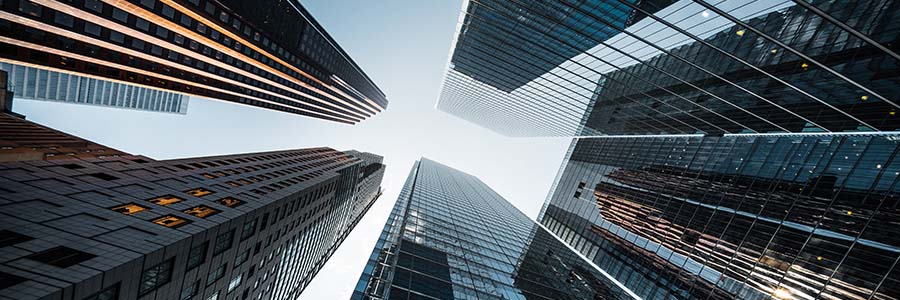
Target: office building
810, 216
38, 84
688, 67
236, 51
83, 221
449, 236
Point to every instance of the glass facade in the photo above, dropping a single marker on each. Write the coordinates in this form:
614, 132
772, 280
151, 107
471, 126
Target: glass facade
616, 67
37, 84
736, 217
236, 51
450, 236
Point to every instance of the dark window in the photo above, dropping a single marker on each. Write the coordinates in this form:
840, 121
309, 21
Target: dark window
110, 293
8, 280
241, 258
197, 255
9, 238
104, 176
216, 274
190, 291
223, 242
72, 166
62, 257
577, 194
156, 276
248, 230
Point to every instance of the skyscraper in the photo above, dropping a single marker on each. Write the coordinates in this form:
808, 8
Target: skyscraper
236, 51
37, 84
683, 68
736, 150
741, 216
89, 224
450, 236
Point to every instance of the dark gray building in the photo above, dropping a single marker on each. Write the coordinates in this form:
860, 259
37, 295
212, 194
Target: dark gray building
736, 217
450, 236
83, 221
268, 54
36, 84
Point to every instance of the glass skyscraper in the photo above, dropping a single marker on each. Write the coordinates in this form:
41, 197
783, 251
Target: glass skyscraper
450, 236
736, 217
267, 54
85, 222
572, 69
722, 150
38, 84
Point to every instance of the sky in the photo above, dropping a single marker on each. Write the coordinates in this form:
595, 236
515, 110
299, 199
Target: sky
403, 46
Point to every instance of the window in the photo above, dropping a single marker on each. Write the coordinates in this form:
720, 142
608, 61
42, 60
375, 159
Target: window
248, 230
235, 282
156, 276
104, 176
170, 221
241, 258
223, 242
197, 255
198, 192
190, 291
128, 209
72, 166
216, 274
8, 280
62, 257
109, 293
9, 238
230, 202
201, 211
213, 296
165, 200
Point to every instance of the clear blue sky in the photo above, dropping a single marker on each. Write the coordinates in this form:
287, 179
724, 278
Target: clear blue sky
403, 46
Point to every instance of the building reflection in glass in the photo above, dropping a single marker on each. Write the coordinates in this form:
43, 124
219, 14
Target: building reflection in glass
749, 217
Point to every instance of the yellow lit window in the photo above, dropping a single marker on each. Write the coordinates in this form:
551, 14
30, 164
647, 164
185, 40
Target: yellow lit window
201, 211
210, 176
129, 209
234, 184
230, 202
199, 192
170, 221
245, 181
165, 200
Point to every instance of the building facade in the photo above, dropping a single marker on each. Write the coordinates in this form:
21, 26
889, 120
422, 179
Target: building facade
236, 51
38, 84
119, 226
450, 236
686, 67
736, 217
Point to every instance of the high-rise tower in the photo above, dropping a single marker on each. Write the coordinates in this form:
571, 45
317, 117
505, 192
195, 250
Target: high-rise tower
37, 84
617, 67
236, 51
84, 221
450, 236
